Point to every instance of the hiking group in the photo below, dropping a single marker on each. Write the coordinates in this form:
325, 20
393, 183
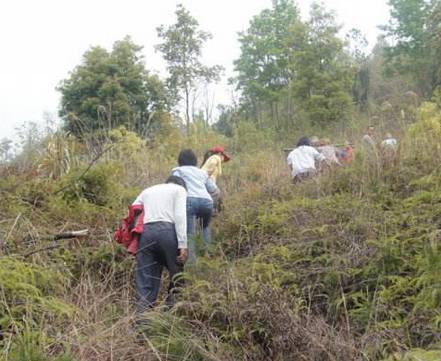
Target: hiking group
160, 228
313, 154
161, 225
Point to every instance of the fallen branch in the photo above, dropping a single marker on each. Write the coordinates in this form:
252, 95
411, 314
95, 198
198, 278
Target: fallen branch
72, 234
57, 237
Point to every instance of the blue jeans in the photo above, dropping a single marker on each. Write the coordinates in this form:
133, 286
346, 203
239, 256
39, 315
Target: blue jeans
198, 208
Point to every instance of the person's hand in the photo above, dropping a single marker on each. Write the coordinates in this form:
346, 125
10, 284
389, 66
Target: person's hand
182, 255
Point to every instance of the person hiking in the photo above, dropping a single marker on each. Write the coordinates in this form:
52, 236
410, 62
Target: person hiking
213, 160
329, 151
199, 201
389, 147
212, 164
346, 154
371, 154
302, 160
369, 138
163, 242
389, 142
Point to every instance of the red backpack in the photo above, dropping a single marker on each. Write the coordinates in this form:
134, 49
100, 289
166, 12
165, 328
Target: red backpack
130, 229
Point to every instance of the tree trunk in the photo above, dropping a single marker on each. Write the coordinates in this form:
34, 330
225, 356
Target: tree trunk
187, 109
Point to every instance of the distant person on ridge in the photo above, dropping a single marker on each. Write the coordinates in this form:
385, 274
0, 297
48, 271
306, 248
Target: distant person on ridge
389, 142
199, 201
369, 138
212, 164
302, 160
389, 148
163, 241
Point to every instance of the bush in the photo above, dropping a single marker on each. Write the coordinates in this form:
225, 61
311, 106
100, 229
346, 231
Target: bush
29, 290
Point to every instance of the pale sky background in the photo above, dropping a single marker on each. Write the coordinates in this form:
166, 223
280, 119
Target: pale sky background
42, 40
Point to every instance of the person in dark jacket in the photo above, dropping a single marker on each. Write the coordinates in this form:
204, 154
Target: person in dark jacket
163, 242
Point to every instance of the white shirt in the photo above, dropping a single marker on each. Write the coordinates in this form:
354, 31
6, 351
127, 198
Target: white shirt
302, 159
389, 142
166, 203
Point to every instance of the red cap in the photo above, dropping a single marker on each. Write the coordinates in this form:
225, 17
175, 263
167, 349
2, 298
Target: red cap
220, 150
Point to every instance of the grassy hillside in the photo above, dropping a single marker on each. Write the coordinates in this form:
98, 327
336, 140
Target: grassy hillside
344, 267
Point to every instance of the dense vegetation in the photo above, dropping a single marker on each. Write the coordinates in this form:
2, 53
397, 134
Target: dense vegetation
344, 267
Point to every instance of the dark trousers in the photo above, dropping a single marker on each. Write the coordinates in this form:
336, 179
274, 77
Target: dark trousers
303, 176
158, 247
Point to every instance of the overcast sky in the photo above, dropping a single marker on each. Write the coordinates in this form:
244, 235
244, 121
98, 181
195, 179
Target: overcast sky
42, 40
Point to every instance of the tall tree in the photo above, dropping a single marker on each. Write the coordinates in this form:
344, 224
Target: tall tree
109, 89
410, 52
434, 30
6, 147
323, 74
181, 48
383, 89
262, 67
356, 44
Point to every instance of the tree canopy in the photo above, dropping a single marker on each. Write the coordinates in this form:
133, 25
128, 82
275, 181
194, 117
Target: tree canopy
181, 48
294, 67
109, 89
412, 52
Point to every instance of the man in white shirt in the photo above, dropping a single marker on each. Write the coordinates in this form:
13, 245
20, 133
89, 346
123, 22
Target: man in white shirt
390, 141
302, 160
163, 241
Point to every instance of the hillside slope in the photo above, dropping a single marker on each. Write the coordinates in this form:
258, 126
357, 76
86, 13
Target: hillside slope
344, 267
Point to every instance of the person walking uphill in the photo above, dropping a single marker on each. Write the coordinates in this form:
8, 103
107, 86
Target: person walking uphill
213, 160
163, 241
199, 201
212, 164
302, 160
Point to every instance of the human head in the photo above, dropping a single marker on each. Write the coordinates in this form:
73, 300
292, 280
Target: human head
325, 141
207, 155
176, 180
314, 141
303, 141
218, 149
388, 135
370, 130
187, 157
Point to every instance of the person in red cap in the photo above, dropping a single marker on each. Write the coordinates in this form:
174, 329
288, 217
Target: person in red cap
213, 160
212, 164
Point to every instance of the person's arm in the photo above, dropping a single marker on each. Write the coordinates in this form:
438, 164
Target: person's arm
319, 158
180, 219
289, 162
176, 172
317, 155
288, 159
